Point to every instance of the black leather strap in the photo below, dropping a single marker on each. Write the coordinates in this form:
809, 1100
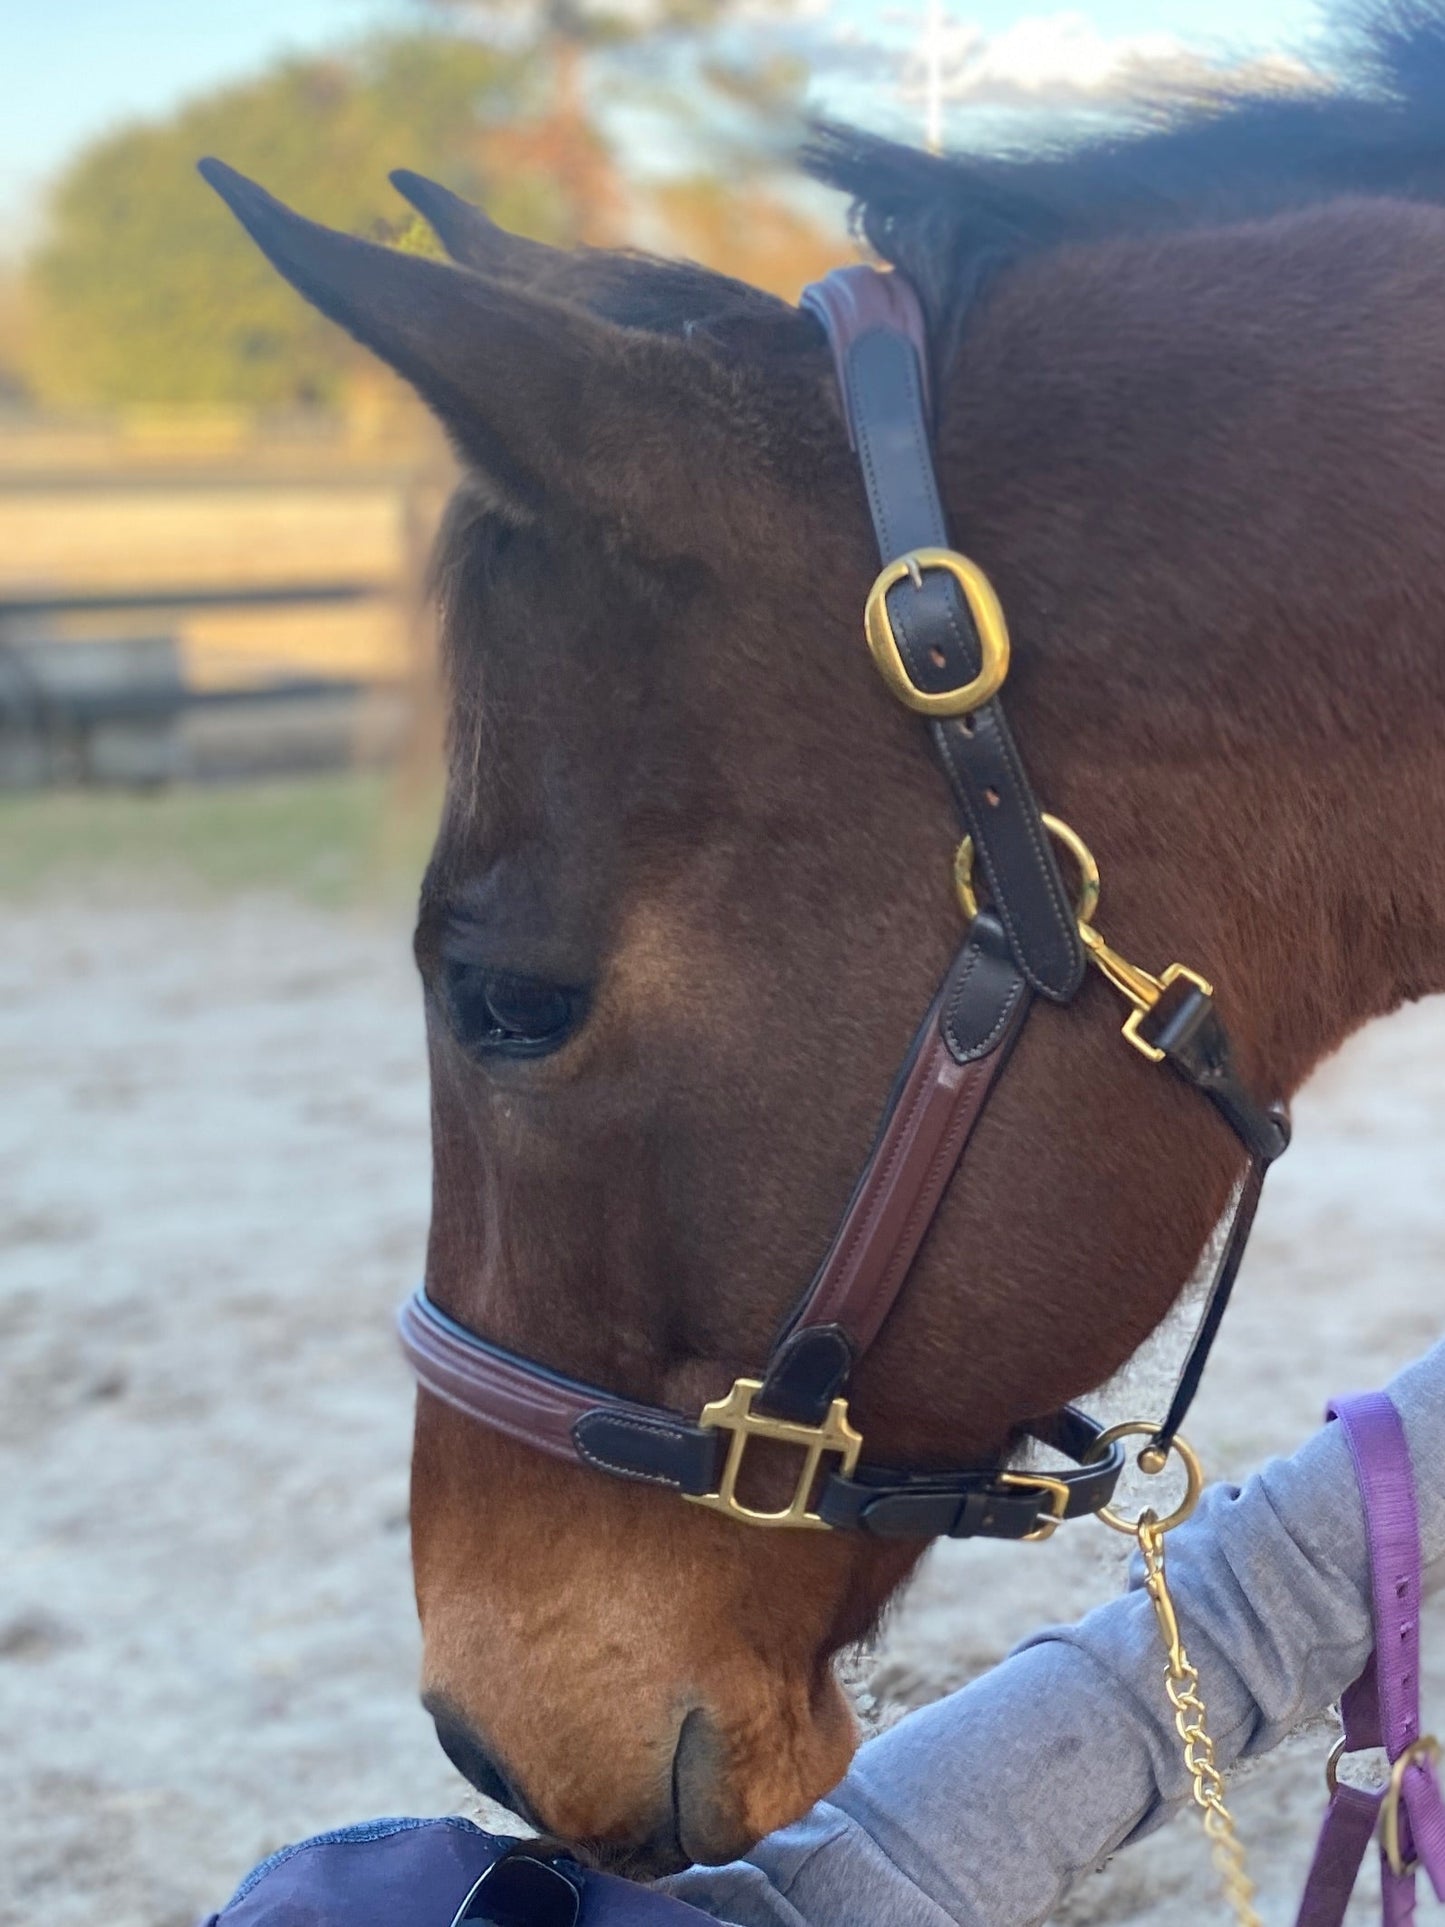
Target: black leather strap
1216, 1303
984, 993
936, 636
806, 1371
982, 1503
979, 1502
1187, 1027
646, 1444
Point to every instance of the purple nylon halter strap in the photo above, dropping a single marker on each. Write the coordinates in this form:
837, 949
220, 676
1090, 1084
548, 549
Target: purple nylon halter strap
1382, 1708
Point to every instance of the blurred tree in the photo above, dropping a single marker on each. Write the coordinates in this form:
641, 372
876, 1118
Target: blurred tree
14, 335
658, 62
747, 231
145, 290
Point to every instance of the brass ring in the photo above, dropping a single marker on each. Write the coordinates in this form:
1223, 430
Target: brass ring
1077, 848
988, 620
1193, 1474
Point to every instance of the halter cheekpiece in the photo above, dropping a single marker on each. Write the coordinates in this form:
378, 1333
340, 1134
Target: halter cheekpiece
940, 641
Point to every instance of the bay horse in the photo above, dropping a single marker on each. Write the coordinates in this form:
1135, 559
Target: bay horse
690, 889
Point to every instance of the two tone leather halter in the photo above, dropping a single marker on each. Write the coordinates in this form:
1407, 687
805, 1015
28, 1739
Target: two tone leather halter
939, 639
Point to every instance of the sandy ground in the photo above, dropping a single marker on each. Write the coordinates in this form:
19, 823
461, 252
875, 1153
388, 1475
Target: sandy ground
213, 1187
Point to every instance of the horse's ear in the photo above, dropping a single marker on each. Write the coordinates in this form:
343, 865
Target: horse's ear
540, 396
472, 237
637, 290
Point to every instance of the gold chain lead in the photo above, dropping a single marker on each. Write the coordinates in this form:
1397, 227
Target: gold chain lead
1181, 1676
1191, 1723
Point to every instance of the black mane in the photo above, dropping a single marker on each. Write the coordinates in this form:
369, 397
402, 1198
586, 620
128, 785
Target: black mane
1376, 128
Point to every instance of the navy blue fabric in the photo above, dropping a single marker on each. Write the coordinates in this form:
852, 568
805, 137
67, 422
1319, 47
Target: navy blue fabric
411, 1873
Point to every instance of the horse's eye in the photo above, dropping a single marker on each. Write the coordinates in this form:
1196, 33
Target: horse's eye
496, 1011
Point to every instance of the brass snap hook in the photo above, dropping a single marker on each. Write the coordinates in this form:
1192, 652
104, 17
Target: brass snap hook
1141, 987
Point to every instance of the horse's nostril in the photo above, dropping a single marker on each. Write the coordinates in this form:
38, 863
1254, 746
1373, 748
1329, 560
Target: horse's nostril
473, 1762
708, 1826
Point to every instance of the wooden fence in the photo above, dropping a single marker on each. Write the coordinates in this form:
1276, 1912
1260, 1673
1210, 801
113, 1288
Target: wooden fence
205, 613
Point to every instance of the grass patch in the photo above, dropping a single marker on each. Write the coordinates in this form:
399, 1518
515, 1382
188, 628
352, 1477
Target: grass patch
330, 840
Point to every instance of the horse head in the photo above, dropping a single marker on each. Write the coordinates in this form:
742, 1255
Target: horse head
691, 890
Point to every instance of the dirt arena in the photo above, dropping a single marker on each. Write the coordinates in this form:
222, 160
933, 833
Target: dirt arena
213, 1147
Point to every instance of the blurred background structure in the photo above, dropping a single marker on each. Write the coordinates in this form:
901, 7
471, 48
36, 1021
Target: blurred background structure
214, 511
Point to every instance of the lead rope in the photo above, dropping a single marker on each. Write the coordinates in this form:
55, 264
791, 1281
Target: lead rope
1181, 1676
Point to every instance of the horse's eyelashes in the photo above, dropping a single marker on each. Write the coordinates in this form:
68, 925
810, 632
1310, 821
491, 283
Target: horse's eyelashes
502, 1013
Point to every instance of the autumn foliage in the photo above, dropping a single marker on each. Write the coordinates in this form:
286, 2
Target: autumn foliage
141, 292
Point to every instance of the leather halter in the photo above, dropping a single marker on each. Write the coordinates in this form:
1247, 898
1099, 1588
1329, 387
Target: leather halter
940, 642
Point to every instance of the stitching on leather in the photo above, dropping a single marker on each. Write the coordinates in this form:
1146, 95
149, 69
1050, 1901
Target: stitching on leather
1026, 816
922, 453
992, 720
970, 1053
960, 775
930, 1193
1013, 768
626, 1424
877, 1190
923, 457
863, 438
805, 1337
1063, 909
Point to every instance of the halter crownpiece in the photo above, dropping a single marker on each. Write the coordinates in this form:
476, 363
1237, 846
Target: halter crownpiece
938, 636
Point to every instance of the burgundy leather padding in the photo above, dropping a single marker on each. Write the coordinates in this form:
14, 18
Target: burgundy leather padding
852, 302
512, 1395
874, 1248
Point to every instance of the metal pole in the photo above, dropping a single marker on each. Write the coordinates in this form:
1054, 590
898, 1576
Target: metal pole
933, 58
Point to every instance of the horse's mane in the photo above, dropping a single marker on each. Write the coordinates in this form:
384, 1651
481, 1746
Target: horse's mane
1375, 127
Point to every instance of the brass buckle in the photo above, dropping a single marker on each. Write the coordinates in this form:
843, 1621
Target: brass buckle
1426, 1748
734, 1414
988, 620
1058, 1495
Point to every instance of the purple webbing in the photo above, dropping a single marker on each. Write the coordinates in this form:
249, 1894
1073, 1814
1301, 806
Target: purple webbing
1383, 1705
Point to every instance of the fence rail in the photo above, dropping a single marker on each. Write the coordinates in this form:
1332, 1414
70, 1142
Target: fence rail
69, 602
116, 708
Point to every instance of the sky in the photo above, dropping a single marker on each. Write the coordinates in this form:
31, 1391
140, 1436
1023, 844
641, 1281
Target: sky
73, 69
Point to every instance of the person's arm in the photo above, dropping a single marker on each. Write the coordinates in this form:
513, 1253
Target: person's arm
983, 1809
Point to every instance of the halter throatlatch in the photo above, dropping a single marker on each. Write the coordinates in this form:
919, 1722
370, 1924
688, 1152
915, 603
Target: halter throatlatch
938, 636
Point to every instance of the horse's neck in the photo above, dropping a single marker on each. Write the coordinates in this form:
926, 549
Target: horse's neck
1348, 918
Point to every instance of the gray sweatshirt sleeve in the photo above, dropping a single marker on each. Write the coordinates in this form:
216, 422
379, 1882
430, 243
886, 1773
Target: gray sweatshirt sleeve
1067, 1750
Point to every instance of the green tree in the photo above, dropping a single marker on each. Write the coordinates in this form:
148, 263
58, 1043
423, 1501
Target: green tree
14, 335
145, 290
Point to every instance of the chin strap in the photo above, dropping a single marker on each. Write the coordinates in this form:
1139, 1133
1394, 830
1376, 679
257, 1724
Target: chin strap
702, 1459
1186, 1028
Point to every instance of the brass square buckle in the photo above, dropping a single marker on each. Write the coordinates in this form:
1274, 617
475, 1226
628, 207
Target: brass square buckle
1056, 1492
735, 1415
1176, 973
988, 620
